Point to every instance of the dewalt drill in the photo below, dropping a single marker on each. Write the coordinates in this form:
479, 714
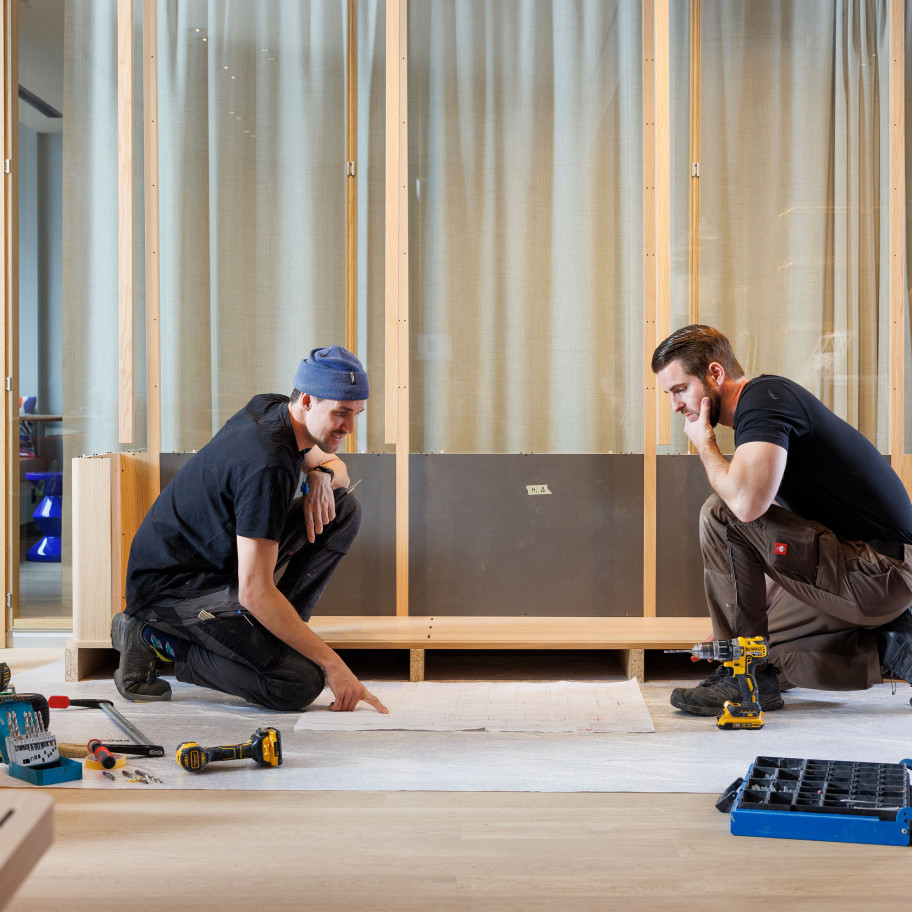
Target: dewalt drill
740, 655
264, 746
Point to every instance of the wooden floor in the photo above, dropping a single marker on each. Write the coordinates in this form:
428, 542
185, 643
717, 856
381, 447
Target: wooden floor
436, 851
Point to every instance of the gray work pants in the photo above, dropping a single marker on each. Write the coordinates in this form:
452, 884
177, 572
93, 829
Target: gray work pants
820, 625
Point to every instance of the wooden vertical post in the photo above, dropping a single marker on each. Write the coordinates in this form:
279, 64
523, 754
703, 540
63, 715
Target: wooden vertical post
649, 311
10, 419
351, 196
391, 272
696, 26
656, 257
153, 275
397, 280
125, 274
9, 205
897, 294
662, 202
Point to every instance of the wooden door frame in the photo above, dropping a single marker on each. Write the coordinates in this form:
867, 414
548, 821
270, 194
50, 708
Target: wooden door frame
10, 193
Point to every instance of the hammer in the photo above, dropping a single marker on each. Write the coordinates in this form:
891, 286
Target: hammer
142, 745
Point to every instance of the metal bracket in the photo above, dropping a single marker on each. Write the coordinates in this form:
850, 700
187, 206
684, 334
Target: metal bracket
695, 169
349, 169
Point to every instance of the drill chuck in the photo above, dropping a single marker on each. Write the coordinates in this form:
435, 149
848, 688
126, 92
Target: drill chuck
717, 650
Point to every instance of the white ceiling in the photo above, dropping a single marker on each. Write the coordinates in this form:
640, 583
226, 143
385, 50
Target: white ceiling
41, 60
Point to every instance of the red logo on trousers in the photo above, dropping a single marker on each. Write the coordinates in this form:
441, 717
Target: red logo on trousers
781, 548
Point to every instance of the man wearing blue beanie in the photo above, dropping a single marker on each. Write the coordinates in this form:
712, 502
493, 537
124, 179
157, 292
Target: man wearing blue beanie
233, 556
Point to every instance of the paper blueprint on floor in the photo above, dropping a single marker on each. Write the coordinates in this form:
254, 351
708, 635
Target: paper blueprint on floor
560, 706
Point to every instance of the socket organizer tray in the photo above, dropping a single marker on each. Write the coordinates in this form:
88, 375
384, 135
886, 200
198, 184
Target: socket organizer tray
826, 800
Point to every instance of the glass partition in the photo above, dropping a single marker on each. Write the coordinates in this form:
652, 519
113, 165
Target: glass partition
794, 195
44, 539
683, 182
907, 347
525, 226
252, 120
252, 206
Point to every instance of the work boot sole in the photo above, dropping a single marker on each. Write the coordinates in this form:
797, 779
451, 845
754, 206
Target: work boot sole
678, 700
143, 691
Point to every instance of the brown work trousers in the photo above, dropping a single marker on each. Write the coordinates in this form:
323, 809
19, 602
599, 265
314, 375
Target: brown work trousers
820, 623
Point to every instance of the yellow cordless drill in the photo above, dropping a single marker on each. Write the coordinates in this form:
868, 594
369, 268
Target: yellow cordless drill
740, 655
264, 746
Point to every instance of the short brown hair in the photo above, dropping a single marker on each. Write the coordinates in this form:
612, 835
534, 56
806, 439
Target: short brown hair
696, 347
296, 394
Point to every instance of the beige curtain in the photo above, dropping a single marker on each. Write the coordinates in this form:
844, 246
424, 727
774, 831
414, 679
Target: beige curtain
253, 207
526, 223
526, 226
907, 399
89, 249
252, 105
794, 195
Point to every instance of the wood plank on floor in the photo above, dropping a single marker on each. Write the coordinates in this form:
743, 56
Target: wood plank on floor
438, 851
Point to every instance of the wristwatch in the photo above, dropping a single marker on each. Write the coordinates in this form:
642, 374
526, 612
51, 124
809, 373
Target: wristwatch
327, 469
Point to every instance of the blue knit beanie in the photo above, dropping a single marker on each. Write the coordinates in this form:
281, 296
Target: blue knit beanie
332, 373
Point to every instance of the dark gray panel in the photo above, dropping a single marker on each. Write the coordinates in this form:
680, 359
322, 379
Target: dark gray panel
169, 465
365, 581
681, 489
482, 545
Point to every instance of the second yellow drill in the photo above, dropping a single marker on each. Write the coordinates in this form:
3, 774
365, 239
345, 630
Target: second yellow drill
740, 654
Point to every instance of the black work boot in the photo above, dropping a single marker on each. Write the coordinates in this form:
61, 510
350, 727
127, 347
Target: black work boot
709, 697
894, 644
136, 677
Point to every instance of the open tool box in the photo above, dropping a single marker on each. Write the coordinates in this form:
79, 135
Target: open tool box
827, 800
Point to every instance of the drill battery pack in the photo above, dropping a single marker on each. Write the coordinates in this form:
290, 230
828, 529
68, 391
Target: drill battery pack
823, 800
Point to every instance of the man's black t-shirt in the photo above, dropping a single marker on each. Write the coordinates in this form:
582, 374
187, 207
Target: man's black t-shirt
241, 483
833, 474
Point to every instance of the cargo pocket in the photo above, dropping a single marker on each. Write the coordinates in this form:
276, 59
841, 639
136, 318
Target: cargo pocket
829, 563
795, 551
214, 605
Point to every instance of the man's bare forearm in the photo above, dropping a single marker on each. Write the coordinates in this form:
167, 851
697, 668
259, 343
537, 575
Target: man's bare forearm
340, 471
714, 464
279, 617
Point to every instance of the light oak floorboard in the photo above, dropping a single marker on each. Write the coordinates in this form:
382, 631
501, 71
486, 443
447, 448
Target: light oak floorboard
444, 851
438, 851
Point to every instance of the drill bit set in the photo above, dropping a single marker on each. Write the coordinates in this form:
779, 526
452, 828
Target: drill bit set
30, 749
34, 746
25, 742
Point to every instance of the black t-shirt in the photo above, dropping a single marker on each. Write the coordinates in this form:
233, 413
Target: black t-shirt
241, 483
833, 474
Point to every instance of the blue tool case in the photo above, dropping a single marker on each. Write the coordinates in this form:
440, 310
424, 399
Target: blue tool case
827, 800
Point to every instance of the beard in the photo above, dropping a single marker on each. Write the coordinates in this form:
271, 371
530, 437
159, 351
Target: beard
715, 404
